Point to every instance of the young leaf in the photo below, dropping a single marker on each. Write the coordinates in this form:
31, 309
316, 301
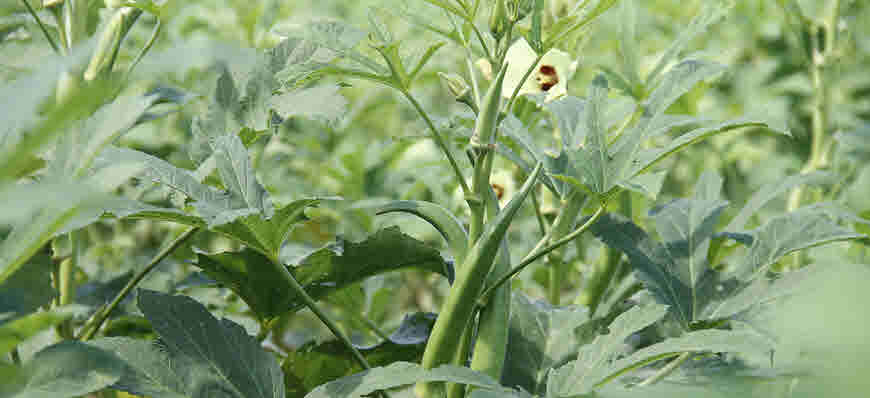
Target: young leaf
207, 356
400, 374
68, 369
237, 174
541, 338
580, 376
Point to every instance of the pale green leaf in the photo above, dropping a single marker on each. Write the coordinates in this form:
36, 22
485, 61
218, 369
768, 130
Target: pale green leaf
400, 374
580, 376
68, 369
320, 102
541, 338
771, 191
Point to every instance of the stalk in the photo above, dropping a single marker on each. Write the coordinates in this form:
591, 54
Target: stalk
665, 371
563, 224
97, 321
459, 307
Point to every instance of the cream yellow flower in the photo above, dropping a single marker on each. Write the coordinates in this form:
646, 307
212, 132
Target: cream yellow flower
550, 76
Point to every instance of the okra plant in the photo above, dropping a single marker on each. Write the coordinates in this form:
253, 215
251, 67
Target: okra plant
266, 204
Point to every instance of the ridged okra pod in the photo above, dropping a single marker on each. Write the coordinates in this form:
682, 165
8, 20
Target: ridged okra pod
457, 311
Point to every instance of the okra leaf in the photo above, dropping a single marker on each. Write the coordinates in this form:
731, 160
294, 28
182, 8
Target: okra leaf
710, 340
541, 338
321, 273
580, 376
197, 355
322, 102
771, 191
801, 229
711, 13
28, 288
314, 364
67, 369
401, 374
767, 289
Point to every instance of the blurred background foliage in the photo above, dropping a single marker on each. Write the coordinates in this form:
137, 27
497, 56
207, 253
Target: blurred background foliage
379, 151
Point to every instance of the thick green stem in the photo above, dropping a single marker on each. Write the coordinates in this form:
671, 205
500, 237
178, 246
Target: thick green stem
563, 224
97, 321
457, 311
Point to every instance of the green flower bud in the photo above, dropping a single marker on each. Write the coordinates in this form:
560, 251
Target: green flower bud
498, 22
456, 84
518, 9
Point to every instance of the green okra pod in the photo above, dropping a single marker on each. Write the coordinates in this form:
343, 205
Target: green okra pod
461, 302
487, 119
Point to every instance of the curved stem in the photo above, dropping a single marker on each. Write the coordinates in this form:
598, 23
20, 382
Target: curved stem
522, 81
151, 40
439, 141
665, 371
103, 314
41, 27
539, 251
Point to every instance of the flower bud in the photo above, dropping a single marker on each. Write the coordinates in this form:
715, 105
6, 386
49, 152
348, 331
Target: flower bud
498, 22
518, 9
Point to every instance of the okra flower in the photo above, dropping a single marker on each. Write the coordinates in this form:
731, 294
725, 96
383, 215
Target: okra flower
550, 76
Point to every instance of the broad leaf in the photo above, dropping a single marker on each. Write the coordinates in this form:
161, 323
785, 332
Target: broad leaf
68, 369
321, 102
581, 376
197, 355
541, 338
314, 364
401, 374
771, 191
321, 273
28, 288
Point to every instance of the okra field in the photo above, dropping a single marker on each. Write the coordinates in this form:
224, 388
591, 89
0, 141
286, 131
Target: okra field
434, 198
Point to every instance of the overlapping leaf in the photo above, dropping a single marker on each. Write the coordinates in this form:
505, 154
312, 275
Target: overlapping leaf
197, 355
581, 376
314, 364
541, 338
320, 273
677, 270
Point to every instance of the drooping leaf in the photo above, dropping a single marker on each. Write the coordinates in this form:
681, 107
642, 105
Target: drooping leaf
320, 273
314, 364
541, 338
67, 369
400, 374
206, 356
581, 375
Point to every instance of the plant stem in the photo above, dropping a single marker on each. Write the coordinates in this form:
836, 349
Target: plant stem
522, 81
104, 313
539, 251
439, 141
665, 371
48, 37
151, 40
570, 208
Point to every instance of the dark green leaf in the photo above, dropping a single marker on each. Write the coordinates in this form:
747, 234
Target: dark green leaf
314, 364
28, 288
209, 356
320, 273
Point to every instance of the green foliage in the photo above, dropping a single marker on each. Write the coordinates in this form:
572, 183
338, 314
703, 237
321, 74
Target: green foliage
197, 355
247, 161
